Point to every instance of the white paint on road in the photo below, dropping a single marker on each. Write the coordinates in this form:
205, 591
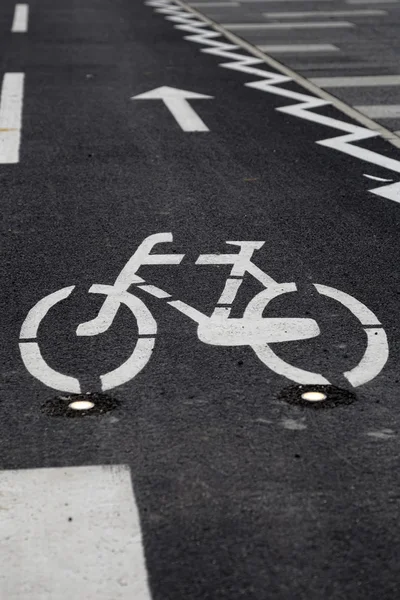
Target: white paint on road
196, 24
295, 48
20, 21
376, 178
214, 4
381, 111
253, 329
356, 81
377, 350
11, 101
177, 103
274, 1
390, 192
324, 13
382, 434
115, 296
374, 359
38, 368
36, 315
295, 25
370, 1
71, 532
294, 424
357, 308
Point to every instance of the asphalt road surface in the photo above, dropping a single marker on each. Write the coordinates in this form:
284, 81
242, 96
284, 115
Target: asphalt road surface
192, 354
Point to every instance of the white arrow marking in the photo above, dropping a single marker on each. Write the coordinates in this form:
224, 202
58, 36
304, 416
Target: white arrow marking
177, 102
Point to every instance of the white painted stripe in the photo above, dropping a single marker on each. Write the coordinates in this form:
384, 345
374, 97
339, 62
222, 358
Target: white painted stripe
324, 13
287, 1
71, 533
255, 26
295, 48
397, 133
361, 81
20, 22
214, 4
337, 66
381, 111
199, 3
376, 178
12, 93
391, 192
371, 1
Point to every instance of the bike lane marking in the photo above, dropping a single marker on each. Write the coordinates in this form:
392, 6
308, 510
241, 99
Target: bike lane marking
253, 329
11, 101
71, 532
20, 20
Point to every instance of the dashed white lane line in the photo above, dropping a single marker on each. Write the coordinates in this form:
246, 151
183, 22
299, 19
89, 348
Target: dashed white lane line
71, 533
358, 81
11, 101
20, 21
296, 25
381, 111
324, 13
295, 48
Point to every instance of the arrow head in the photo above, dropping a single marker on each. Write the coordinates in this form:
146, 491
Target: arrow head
164, 92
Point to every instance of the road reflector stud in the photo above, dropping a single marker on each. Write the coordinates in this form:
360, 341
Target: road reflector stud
80, 405
313, 396
317, 396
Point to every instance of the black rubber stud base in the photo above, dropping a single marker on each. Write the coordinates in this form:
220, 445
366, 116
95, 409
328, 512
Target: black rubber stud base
334, 396
61, 405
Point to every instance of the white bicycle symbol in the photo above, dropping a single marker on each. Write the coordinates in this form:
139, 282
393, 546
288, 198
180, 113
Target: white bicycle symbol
219, 329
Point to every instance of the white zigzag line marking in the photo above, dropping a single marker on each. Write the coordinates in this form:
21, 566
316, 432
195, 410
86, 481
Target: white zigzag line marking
189, 22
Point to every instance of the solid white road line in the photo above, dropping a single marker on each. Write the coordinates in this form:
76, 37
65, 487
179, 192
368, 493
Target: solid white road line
255, 26
324, 13
11, 99
381, 111
20, 22
294, 48
357, 81
71, 533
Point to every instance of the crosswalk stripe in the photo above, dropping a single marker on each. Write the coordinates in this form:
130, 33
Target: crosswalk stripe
357, 81
372, 1
213, 4
325, 13
381, 111
294, 48
296, 25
